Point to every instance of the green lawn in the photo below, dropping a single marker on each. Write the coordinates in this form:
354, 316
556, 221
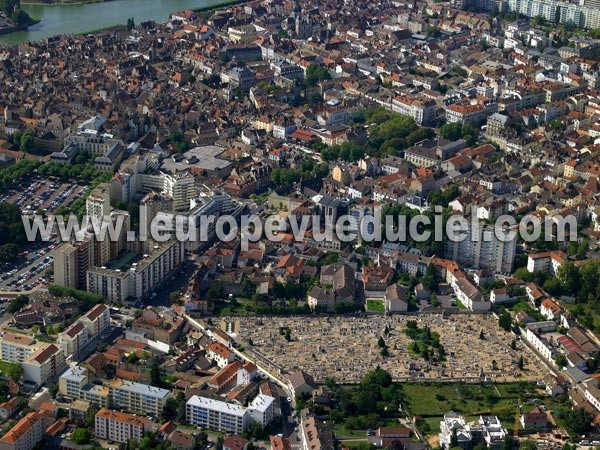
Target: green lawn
375, 305
4, 368
459, 304
341, 430
523, 305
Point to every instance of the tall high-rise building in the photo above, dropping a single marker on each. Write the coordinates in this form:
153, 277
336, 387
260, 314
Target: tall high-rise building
482, 249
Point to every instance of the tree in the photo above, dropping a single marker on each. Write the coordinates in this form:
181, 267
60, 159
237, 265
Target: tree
155, 373
175, 297
508, 443
527, 445
81, 436
170, 411
14, 372
451, 131
481, 335
434, 32
17, 304
178, 142
20, 17
455, 131
539, 21
578, 421
513, 344
89, 419
316, 74
454, 438
248, 288
505, 321
27, 141
521, 363
561, 360
569, 277
130, 24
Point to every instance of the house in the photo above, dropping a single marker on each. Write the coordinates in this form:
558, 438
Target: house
279, 443
396, 299
550, 310
377, 278
499, 296
546, 261
421, 292
469, 294
301, 383
534, 420
235, 443
385, 436
182, 440
454, 426
9, 407
342, 290
554, 385
219, 354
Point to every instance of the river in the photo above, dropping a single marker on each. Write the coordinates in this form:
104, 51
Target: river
63, 19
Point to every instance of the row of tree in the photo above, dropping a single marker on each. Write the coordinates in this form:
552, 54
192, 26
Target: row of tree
12, 233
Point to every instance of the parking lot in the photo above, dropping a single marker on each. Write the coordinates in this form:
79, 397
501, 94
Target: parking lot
29, 271
45, 196
345, 348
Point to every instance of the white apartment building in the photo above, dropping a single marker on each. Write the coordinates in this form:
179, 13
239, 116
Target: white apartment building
541, 344
46, 364
422, 111
16, 348
481, 248
137, 397
74, 339
546, 261
581, 15
261, 409
180, 187
228, 417
40, 361
97, 204
121, 427
72, 381
592, 394
470, 113
26, 434
134, 397
142, 277
216, 415
77, 338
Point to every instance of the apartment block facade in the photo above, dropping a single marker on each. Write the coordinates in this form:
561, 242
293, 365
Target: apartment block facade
121, 427
229, 417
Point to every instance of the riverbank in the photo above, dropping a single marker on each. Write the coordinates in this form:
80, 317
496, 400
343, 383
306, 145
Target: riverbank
225, 4
99, 30
13, 29
8, 30
92, 16
62, 2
